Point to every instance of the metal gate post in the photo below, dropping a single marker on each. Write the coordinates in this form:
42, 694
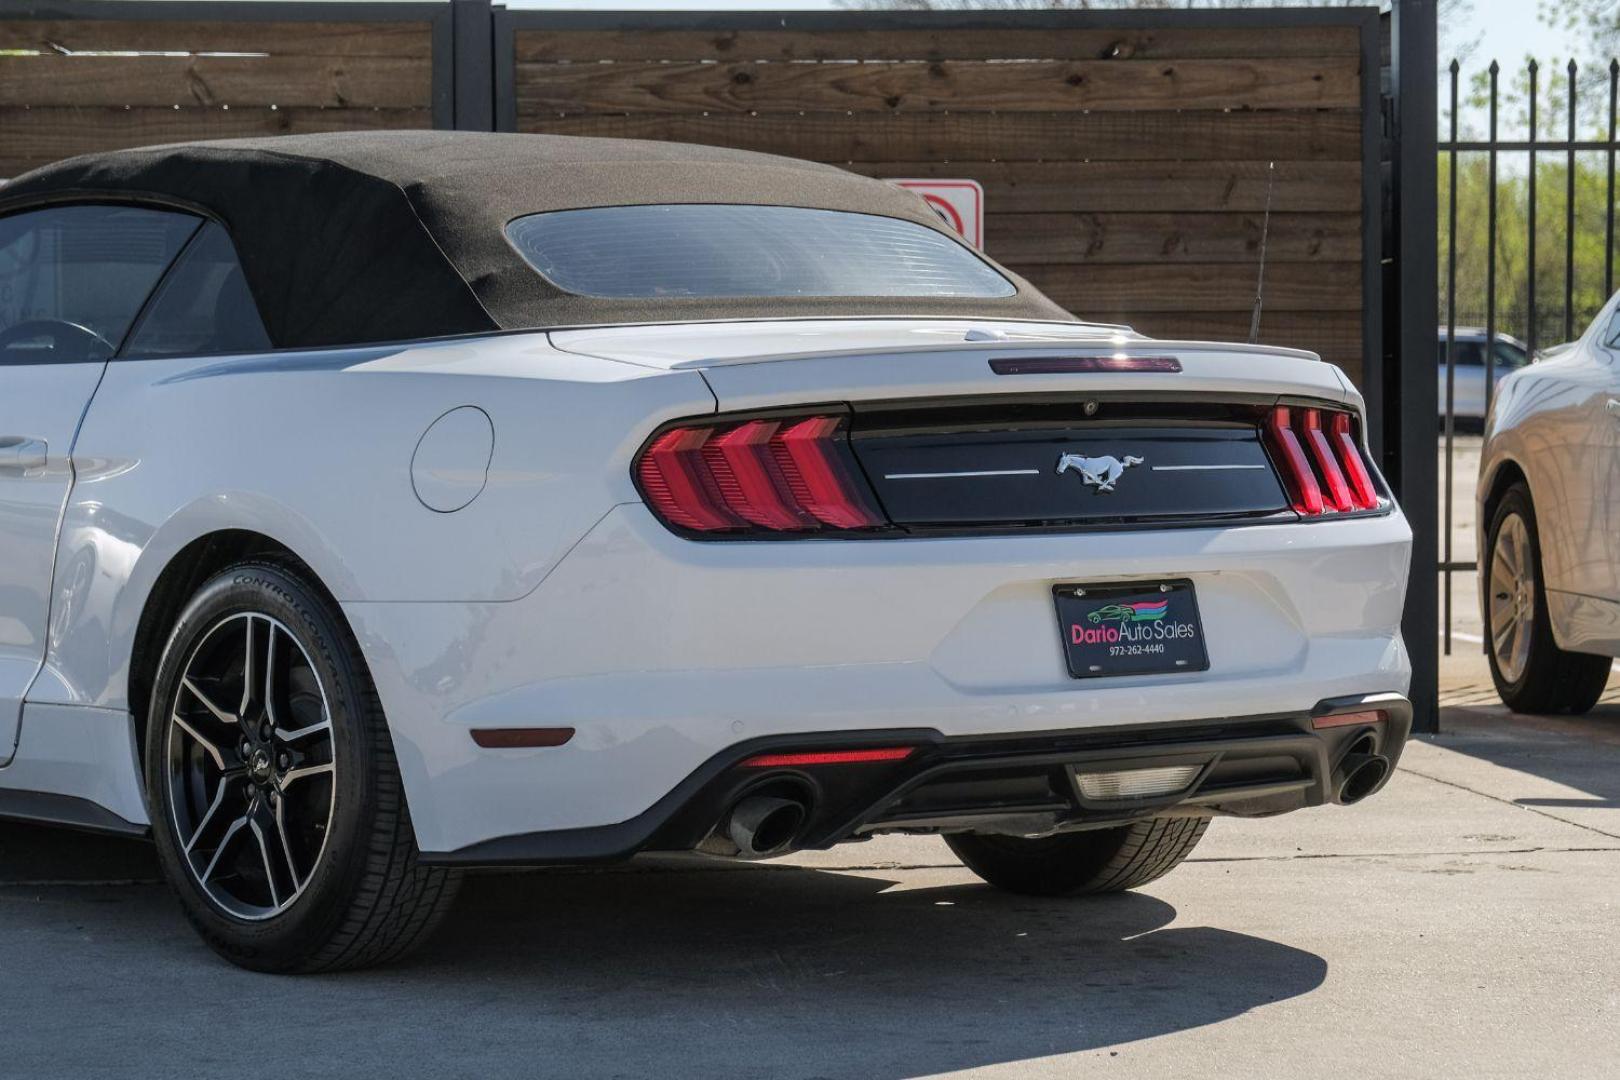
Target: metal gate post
473, 25
1410, 401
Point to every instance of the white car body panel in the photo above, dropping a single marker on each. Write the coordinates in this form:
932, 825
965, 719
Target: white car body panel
662, 652
39, 414
556, 598
1557, 422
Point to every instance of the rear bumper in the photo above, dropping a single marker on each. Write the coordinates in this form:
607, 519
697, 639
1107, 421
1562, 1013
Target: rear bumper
662, 653
1247, 767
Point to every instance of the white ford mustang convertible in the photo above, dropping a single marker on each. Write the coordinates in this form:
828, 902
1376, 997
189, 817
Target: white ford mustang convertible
378, 507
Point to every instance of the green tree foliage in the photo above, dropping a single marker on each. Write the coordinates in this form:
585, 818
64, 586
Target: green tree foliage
1513, 270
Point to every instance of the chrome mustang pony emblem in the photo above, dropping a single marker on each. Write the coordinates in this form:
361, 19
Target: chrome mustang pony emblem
1098, 472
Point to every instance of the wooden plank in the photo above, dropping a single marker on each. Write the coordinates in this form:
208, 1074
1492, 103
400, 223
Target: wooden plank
34, 137
969, 86
331, 82
1098, 292
1054, 186
1171, 238
381, 38
979, 136
990, 43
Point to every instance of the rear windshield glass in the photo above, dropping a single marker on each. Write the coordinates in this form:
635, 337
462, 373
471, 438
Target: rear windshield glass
641, 252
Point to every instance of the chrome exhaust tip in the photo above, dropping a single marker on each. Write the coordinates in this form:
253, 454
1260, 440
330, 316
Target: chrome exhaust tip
762, 825
1360, 775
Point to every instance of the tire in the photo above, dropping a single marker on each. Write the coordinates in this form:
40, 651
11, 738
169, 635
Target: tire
288, 843
1532, 674
1093, 861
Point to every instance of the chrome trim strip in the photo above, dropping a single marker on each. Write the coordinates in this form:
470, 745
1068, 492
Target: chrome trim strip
1200, 468
945, 475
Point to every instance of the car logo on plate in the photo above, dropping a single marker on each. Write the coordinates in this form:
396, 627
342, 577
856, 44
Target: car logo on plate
1101, 473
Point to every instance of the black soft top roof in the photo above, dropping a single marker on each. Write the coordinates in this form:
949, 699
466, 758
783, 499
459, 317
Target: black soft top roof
361, 237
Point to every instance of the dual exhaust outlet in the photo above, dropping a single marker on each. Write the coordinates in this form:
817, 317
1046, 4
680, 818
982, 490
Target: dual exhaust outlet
1360, 773
763, 825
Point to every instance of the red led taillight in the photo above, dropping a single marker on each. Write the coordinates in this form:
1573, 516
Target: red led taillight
1320, 460
1362, 490
793, 474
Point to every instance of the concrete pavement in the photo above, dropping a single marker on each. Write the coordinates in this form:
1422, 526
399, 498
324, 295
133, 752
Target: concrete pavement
1465, 922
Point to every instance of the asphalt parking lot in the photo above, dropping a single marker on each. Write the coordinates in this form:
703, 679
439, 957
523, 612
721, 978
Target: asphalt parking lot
1462, 923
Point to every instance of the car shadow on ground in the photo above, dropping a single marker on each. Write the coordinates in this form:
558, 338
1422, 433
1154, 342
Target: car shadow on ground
1579, 752
765, 971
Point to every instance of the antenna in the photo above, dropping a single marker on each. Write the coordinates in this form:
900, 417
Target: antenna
1265, 232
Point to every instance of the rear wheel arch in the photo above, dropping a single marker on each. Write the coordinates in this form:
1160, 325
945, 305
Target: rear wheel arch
1507, 474
176, 583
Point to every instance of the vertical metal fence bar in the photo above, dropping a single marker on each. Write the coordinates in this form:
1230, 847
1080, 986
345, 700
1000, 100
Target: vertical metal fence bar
1490, 251
1608, 215
1451, 349
1411, 429
1569, 214
1530, 256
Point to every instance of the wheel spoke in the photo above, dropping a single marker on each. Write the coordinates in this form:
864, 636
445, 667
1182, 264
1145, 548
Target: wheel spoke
286, 845
208, 746
211, 813
224, 842
1502, 613
299, 733
1501, 634
270, 675
219, 714
269, 871
292, 776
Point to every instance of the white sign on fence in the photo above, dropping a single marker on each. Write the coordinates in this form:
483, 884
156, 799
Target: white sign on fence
959, 203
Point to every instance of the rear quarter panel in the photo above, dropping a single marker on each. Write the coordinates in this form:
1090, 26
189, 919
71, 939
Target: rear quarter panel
314, 450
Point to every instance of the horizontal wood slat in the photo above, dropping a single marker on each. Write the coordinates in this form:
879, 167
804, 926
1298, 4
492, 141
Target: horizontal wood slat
838, 137
989, 43
34, 137
1031, 86
1096, 291
334, 82
380, 38
1042, 186
1172, 238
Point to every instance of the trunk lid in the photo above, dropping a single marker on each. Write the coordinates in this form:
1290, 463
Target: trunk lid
752, 365
964, 424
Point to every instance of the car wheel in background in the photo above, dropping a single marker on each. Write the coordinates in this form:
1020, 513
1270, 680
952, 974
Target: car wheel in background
276, 802
1092, 861
1532, 674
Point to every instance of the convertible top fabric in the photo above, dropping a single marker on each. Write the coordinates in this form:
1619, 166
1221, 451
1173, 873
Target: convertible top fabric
360, 237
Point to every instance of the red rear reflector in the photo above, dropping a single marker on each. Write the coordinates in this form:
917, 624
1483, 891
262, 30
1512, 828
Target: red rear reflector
516, 737
1063, 365
828, 757
1303, 490
1349, 719
1362, 489
1338, 492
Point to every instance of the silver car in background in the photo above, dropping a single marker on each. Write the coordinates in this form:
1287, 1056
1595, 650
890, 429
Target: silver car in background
1549, 504
1508, 355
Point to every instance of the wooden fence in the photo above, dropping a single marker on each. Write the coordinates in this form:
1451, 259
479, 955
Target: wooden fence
1126, 157
77, 77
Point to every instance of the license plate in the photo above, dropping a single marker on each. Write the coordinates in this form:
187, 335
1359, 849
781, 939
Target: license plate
1143, 628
